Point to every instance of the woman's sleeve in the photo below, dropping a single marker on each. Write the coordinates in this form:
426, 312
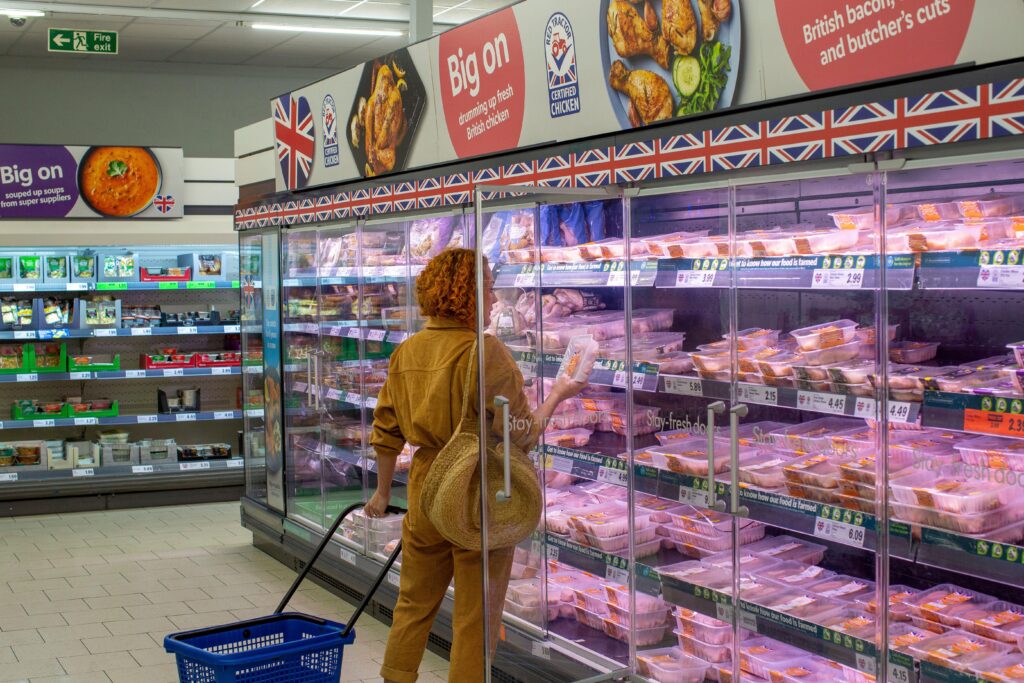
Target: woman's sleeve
503, 378
387, 438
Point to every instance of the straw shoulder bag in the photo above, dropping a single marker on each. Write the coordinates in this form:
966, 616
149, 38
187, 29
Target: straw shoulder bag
450, 496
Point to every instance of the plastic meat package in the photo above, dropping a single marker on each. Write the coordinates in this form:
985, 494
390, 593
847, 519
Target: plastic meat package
950, 489
993, 452
990, 205
702, 627
672, 244
819, 471
788, 548
671, 665
429, 236
1002, 669
708, 652
912, 352
958, 650
814, 436
825, 335
1002, 621
844, 588
762, 656
795, 573
937, 603
802, 604
579, 358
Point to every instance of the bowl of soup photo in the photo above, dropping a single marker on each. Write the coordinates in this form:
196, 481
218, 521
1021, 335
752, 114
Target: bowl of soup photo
119, 181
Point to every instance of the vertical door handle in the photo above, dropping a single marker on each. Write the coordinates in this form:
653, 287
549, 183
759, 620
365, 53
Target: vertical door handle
715, 408
316, 376
505, 494
309, 380
735, 413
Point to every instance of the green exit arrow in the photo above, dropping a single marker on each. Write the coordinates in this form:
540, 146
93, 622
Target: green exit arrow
82, 41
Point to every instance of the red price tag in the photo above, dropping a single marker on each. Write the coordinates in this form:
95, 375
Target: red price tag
1000, 424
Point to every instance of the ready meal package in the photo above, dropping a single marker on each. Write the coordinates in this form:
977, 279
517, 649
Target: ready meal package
579, 358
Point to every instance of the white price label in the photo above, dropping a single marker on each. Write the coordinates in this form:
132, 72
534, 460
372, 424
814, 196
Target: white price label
377, 335
1011, 277
617, 278
353, 333
528, 369
842, 278
695, 278
619, 379
232, 329
540, 650
552, 553
24, 287
9, 476
29, 377
188, 330
174, 372
134, 374
79, 375
748, 620
694, 497
865, 408
290, 282
24, 334
561, 464
188, 466
833, 404
224, 415
899, 411
234, 463
612, 475
185, 417
146, 419
77, 286
759, 393
352, 397
104, 332
220, 371
142, 331
43, 423
840, 532
525, 280
85, 421
865, 663
370, 464
142, 469
88, 472
616, 574
254, 412
371, 402
347, 555
684, 386
724, 612
394, 579
898, 674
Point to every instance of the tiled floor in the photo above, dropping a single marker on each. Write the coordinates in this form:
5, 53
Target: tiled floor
89, 597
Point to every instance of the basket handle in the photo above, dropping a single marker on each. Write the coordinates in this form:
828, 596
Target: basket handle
320, 549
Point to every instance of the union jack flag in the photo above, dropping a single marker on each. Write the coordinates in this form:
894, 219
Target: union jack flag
295, 137
1006, 103
593, 167
164, 203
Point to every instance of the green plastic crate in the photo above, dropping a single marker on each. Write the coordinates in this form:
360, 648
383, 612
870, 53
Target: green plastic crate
62, 364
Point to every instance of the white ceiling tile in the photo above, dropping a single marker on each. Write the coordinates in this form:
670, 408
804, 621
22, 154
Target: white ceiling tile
146, 29
152, 50
209, 5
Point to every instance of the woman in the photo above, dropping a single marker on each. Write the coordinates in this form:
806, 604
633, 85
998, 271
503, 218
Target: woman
421, 404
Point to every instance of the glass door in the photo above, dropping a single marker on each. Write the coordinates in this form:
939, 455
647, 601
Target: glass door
567, 587
956, 590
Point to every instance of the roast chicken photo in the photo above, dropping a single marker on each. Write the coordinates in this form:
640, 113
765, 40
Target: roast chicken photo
670, 58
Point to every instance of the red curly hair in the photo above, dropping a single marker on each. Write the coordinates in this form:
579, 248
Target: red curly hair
447, 286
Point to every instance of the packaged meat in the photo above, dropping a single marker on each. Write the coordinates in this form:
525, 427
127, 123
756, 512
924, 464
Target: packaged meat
769, 242
762, 656
652, 344
825, 335
811, 492
805, 671
644, 637
805, 372
853, 372
920, 451
614, 544
645, 421
803, 604
1001, 620
821, 471
795, 573
950, 490
843, 588
589, 618
590, 596
864, 219
699, 574
751, 563
700, 544
652, 319
788, 548
994, 204
723, 345
992, 362
945, 237
852, 622
958, 650
606, 520
824, 386
603, 401
898, 597
1018, 352
705, 651
938, 211
524, 600
903, 636
764, 471
936, 603
703, 247
579, 358
676, 363
778, 364
834, 354
857, 503
669, 245
912, 352
814, 436
755, 338
857, 489
690, 456
1007, 668
702, 627
993, 452
644, 619
568, 438
825, 241
616, 248
671, 665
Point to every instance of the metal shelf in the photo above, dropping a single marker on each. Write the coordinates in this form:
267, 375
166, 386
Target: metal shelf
21, 475
116, 286
65, 333
203, 416
125, 374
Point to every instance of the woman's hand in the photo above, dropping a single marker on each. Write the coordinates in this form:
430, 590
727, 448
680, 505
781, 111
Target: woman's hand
566, 387
377, 506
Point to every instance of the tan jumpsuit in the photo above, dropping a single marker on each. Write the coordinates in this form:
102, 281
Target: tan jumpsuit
421, 403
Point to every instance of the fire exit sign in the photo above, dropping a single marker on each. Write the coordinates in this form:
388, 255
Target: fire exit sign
85, 42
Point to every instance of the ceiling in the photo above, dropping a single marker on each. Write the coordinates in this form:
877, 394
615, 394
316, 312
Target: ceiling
219, 31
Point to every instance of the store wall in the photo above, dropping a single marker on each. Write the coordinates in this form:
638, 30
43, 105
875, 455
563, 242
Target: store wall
197, 107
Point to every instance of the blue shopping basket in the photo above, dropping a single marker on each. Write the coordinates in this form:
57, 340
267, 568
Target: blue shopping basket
285, 647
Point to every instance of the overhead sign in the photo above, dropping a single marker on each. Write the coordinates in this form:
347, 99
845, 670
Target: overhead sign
55, 181
542, 72
82, 41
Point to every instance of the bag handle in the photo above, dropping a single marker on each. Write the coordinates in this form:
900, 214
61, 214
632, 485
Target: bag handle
467, 385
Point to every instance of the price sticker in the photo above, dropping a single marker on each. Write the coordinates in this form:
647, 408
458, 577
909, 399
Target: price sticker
899, 411
347, 556
189, 466
526, 279
684, 386
234, 463
9, 476
134, 374
840, 532
104, 332
695, 278
232, 329
24, 287
371, 402
142, 469
377, 335
1006, 277
899, 674
528, 368
748, 620
394, 579
842, 278
290, 282
79, 375
759, 393
865, 663
24, 334
174, 372
86, 421
865, 408
254, 412
146, 419
221, 371
29, 377
612, 475
77, 286
224, 415
87, 472
619, 379
188, 330
185, 417
724, 612
617, 278
1002, 424
695, 497
43, 423
142, 332
352, 397
540, 650
832, 404
552, 553
616, 574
